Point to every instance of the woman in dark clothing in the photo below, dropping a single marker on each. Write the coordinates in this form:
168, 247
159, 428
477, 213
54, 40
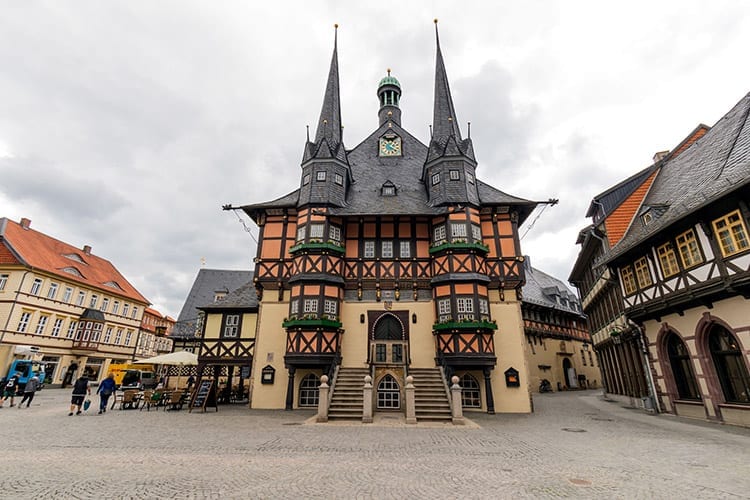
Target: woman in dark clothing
106, 388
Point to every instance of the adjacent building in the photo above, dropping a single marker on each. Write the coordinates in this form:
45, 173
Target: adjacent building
154, 334
682, 268
389, 259
558, 344
75, 306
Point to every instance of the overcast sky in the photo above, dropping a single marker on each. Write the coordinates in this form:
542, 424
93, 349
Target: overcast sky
126, 125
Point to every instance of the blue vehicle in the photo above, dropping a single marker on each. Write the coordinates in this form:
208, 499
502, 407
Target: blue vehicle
26, 369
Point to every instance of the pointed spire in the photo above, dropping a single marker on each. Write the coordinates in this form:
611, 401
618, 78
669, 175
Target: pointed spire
444, 123
329, 124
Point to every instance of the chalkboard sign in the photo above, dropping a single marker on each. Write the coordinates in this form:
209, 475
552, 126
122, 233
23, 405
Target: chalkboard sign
204, 396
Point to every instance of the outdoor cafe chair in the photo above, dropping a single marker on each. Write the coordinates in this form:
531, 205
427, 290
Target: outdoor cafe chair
129, 400
175, 401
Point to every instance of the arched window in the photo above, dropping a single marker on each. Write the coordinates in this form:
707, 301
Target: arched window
388, 328
308, 390
389, 394
470, 394
682, 368
730, 367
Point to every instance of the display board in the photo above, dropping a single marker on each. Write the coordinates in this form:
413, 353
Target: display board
204, 396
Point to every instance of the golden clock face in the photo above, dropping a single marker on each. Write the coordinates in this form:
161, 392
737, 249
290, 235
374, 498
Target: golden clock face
390, 146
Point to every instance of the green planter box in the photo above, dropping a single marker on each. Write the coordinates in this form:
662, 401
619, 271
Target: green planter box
295, 323
318, 246
465, 325
460, 246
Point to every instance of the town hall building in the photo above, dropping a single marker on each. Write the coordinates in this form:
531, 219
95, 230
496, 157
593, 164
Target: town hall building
391, 259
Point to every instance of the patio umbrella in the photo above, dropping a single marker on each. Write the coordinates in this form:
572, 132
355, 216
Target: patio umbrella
178, 358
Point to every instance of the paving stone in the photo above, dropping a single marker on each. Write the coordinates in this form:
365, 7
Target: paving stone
242, 453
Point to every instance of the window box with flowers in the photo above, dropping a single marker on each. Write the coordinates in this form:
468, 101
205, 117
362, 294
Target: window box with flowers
331, 246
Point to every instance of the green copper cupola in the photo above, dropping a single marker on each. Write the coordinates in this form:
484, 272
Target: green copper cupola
389, 94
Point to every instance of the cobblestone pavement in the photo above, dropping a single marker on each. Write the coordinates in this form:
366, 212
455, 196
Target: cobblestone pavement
576, 445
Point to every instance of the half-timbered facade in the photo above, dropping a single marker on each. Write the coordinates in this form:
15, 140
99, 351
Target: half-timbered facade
683, 269
389, 258
558, 343
618, 342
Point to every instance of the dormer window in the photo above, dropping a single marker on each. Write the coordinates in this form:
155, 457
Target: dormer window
75, 257
436, 178
306, 180
454, 175
321, 175
388, 189
647, 218
73, 271
338, 179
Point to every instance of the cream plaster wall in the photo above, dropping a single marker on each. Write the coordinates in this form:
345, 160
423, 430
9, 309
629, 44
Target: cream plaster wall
270, 347
509, 349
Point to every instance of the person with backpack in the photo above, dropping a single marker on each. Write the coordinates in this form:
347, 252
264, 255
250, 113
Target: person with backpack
81, 388
10, 389
106, 388
29, 389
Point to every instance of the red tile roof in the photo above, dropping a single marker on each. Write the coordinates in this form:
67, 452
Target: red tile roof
44, 253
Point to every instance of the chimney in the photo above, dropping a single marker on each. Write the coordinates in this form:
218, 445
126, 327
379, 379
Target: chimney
659, 155
25, 223
87, 249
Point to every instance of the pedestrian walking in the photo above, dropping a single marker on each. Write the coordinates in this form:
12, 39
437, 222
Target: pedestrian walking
29, 390
106, 388
81, 388
10, 389
190, 382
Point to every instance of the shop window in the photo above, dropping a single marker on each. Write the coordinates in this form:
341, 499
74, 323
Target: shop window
682, 368
730, 366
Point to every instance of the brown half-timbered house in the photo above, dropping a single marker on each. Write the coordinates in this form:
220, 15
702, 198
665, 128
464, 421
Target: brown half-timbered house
684, 271
390, 259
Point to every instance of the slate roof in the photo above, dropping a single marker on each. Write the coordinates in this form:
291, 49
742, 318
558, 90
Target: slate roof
712, 167
543, 289
45, 253
245, 297
205, 286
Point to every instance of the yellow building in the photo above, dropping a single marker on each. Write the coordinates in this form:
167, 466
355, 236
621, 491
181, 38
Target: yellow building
73, 305
558, 344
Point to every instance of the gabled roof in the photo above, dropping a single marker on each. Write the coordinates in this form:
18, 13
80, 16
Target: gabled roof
44, 253
713, 166
203, 291
547, 291
245, 297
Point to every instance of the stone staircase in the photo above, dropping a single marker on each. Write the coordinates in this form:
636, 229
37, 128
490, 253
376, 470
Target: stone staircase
346, 401
430, 396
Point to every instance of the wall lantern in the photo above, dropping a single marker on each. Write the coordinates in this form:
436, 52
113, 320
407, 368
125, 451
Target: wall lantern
362, 318
414, 318
511, 378
267, 374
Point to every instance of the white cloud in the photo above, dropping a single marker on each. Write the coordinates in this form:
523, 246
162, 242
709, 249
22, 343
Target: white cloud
127, 125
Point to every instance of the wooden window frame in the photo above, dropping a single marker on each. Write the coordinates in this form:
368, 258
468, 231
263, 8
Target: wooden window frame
732, 237
234, 327
627, 276
668, 259
689, 249
642, 270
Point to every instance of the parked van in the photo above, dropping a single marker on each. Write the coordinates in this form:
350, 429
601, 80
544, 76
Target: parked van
138, 379
26, 369
120, 369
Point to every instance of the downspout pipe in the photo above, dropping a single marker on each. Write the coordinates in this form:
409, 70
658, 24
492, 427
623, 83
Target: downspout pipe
646, 365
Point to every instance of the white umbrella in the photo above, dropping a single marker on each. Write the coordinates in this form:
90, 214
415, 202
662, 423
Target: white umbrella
177, 358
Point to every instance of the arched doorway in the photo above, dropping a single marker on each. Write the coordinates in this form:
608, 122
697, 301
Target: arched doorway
388, 394
388, 344
568, 373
